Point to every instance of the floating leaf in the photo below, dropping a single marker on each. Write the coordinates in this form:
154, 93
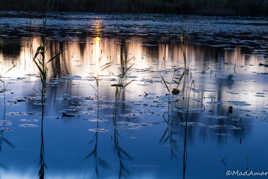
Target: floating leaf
28, 125
97, 130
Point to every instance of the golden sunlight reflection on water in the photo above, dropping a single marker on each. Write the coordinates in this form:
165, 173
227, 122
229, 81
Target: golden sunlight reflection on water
85, 59
78, 57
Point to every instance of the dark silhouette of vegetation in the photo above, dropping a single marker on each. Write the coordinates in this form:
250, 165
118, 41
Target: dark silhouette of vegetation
204, 7
10, 48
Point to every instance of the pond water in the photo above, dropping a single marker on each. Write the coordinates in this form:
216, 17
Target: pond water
108, 111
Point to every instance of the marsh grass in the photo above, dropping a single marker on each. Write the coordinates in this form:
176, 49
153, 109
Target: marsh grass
173, 122
177, 78
183, 84
122, 81
126, 64
120, 85
39, 58
178, 75
97, 76
95, 153
41, 63
124, 72
170, 134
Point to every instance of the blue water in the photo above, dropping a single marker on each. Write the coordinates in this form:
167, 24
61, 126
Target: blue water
218, 122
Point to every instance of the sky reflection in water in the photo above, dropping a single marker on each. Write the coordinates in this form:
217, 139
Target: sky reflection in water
138, 132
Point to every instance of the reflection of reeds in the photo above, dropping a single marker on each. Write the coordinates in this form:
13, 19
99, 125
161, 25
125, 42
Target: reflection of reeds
124, 71
185, 149
121, 154
125, 68
97, 78
41, 172
177, 75
40, 61
186, 116
3, 139
94, 153
170, 133
170, 136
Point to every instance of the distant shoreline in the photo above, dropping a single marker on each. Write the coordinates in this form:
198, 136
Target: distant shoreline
39, 14
180, 7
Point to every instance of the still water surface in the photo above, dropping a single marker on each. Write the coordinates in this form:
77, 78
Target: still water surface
217, 122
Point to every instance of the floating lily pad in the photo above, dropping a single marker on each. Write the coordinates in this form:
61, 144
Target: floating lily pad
98, 130
29, 120
97, 120
28, 125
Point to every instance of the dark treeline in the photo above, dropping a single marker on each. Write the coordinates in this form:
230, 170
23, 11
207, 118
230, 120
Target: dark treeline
203, 7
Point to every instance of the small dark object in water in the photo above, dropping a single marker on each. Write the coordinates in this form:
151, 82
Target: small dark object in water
21, 100
230, 109
262, 73
264, 65
175, 91
88, 98
117, 85
230, 77
64, 114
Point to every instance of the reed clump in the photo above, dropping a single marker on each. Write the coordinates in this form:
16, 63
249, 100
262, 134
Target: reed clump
41, 63
177, 75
